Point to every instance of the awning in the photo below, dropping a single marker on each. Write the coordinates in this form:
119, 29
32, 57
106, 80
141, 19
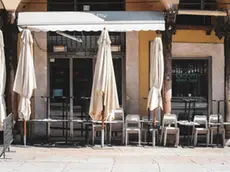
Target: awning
119, 21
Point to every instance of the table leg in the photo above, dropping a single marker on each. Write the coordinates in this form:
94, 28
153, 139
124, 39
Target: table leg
148, 137
86, 134
188, 136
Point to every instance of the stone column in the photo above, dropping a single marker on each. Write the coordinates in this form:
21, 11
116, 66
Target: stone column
40, 64
132, 72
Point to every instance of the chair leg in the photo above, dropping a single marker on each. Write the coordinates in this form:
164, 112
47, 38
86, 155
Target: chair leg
195, 138
157, 137
165, 138
192, 139
139, 137
145, 135
207, 139
126, 137
110, 134
93, 135
123, 137
223, 137
161, 137
177, 138
154, 138
211, 140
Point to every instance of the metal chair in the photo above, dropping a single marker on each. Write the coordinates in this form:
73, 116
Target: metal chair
202, 121
145, 128
97, 128
213, 118
132, 125
168, 121
117, 127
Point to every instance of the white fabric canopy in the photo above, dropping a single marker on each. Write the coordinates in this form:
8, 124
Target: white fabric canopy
117, 21
156, 74
2, 81
104, 82
25, 81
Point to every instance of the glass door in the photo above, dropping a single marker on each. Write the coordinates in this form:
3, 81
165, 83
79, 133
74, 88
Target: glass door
70, 82
59, 83
82, 80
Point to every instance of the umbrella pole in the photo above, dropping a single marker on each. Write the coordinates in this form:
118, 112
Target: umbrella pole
154, 118
102, 132
24, 137
103, 125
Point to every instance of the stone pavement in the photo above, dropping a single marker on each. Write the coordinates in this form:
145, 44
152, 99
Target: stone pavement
116, 159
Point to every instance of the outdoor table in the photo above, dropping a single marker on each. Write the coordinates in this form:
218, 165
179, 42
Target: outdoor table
188, 124
49, 120
219, 123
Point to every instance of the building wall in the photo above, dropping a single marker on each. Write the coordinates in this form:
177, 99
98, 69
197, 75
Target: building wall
132, 72
40, 63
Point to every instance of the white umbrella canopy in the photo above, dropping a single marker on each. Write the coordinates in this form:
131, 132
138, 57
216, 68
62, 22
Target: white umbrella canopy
104, 89
156, 75
2, 81
25, 81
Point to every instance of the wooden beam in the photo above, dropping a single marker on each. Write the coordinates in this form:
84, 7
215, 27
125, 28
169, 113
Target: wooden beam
170, 28
194, 27
10, 32
203, 13
167, 83
227, 79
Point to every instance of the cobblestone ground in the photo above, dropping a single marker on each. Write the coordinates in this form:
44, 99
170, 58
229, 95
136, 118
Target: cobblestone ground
116, 159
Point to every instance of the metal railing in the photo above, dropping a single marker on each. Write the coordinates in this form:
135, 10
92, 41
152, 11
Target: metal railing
7, 134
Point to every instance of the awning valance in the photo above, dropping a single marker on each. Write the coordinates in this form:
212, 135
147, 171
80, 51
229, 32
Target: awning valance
117, 21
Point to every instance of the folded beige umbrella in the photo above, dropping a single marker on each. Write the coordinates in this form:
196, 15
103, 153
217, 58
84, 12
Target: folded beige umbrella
156, 75
104, 98
2, 81
25, 81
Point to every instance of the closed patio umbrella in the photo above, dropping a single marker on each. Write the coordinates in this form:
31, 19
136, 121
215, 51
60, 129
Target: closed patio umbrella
2, 81
156, 76
104, 98
25, 81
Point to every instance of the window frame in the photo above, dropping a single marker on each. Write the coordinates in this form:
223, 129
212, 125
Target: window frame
209, 58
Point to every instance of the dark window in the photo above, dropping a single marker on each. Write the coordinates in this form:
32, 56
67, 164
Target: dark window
190, 77
196, 5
